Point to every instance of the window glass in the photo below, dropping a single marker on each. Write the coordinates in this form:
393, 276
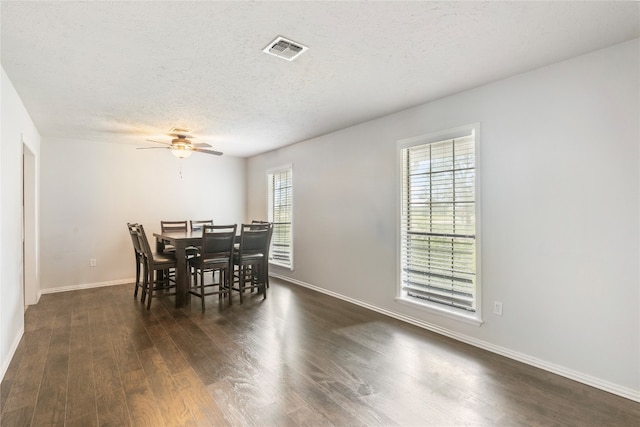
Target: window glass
438, 223
280, 211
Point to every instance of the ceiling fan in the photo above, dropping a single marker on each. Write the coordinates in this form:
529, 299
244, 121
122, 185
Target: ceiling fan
181, 146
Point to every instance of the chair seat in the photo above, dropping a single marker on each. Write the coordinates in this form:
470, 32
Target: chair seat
247, 258
163, 258
199, 261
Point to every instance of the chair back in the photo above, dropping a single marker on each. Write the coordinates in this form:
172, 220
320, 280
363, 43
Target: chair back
144, 243
168, 226
218, 241
254, 238
198, 224
268, 242
135, 239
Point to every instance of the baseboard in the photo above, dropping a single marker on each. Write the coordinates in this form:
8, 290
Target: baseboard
502, 351
84, 286
12, 352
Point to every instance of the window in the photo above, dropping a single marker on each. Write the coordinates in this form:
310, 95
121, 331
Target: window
280, 211
438, 222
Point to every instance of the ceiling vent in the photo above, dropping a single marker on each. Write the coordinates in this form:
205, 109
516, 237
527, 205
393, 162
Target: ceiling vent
285, 49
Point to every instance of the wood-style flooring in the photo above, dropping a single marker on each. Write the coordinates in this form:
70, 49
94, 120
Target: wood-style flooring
96, 357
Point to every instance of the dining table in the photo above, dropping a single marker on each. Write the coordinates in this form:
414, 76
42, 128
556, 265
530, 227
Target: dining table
180, 240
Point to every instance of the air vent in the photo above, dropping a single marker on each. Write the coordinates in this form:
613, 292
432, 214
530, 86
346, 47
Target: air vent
285, 49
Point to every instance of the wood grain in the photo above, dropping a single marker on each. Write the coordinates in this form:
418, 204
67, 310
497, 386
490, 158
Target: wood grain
97, 357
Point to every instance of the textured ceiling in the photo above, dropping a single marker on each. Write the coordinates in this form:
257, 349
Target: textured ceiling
124, 71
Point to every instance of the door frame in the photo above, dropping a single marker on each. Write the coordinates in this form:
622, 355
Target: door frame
30, 270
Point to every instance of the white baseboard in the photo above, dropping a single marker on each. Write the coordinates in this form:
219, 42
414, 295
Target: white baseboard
502, 351
85, 286
12, 352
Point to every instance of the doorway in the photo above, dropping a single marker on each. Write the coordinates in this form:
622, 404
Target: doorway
29, 252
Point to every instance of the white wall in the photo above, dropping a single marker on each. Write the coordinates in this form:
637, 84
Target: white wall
16, 128
90, 190
560, 214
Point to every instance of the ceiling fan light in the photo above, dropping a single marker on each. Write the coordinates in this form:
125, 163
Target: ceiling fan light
181, 152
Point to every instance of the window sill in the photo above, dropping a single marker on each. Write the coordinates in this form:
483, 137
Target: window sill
440, 310
275, 264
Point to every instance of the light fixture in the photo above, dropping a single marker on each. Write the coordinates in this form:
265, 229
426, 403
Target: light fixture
181, 152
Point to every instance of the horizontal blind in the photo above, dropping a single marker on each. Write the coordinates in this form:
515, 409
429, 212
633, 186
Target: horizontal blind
280, 212
438, 253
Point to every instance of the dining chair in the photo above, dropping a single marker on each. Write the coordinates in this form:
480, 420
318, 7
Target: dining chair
139, 256
216, 255
198, 224
265, 264
154, 262
251, 258
168, 226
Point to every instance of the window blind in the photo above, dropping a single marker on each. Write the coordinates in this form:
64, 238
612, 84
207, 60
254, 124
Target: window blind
438, 241
280, 213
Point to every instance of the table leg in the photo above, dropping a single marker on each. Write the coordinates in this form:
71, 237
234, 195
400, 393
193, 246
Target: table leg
159, 250
182, 277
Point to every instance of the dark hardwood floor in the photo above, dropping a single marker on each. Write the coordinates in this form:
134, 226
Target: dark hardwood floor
96, 357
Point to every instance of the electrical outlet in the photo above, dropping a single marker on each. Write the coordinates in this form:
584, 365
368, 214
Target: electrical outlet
92, 262
497, 308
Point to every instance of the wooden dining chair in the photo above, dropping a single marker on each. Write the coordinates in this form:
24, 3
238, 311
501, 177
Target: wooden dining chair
154, 262
251, 258
139, 256
265, 265
197, 224
168, 226
216, 255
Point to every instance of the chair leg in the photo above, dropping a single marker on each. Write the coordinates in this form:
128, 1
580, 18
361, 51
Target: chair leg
251, 277
145, 282
135, 292
264, 278
202, 288
150, 287
228, 278
242, 271
265, 271
255, 277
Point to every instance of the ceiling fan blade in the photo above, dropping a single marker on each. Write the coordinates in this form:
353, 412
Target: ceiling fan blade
200, 145
215, 153
159, 142
151, 148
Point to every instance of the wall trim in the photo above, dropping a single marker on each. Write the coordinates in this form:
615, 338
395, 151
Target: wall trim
85, 286
589, 380
12, 352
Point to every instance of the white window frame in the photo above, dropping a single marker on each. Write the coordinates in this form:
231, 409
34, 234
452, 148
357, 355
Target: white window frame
471, 317
271, 172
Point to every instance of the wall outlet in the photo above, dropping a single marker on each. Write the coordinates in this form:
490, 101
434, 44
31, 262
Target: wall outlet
497, 308
92, 262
